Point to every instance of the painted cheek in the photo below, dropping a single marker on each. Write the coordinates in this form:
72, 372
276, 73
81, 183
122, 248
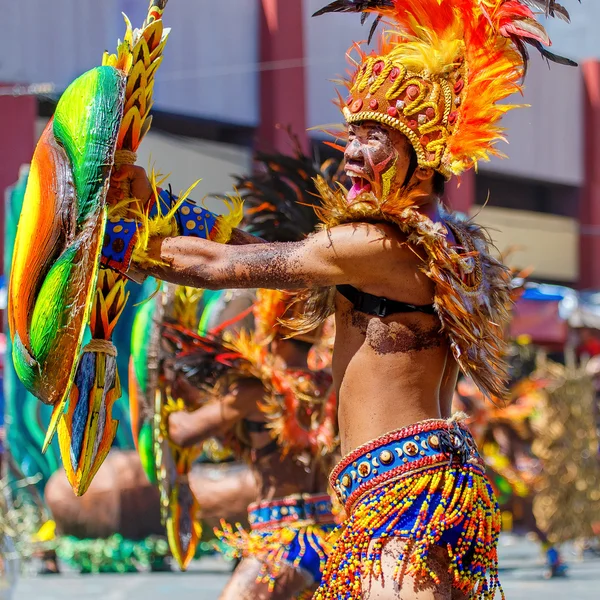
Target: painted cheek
380, 161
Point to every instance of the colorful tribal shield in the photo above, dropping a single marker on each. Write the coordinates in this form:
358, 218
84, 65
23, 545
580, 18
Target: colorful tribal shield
57, 286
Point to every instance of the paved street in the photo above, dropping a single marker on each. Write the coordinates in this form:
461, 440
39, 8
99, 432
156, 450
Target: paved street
522, 577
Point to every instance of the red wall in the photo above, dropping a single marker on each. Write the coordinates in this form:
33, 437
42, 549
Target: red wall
589, 260
282, 78
17, 141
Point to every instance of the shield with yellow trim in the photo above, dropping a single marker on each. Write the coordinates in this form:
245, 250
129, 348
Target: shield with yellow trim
63, 306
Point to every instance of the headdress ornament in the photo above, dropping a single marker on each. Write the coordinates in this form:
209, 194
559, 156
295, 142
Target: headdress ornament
442, 69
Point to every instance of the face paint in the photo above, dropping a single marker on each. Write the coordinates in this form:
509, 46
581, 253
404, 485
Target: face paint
377, 160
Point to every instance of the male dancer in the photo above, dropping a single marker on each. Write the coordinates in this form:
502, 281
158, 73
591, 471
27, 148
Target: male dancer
415, 292
279, 416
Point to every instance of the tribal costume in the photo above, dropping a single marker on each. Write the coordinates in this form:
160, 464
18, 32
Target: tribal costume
438, 77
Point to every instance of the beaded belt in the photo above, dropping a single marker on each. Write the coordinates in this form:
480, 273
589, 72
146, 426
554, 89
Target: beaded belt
401, 453
313, 508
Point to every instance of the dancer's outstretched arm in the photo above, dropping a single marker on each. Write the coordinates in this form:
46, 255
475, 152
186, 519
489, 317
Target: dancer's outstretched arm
346, 254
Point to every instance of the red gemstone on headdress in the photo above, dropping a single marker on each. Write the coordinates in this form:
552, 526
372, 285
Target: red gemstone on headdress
356, 105
412, 124
349, 100
394, 73
378, 67
392, 111
452, 118
458, 86
424, 140
412, 91
373, 103
430, 113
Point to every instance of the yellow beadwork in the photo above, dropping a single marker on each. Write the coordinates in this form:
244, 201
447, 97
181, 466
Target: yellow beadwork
272, 547
449, 497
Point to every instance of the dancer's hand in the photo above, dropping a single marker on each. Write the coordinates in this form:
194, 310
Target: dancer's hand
129, 181
179, 430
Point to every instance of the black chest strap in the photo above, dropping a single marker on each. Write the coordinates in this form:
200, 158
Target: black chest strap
255, 426
379, 306
257, 454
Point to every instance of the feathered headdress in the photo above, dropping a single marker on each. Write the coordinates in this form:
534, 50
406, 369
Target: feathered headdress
442, 69
281, 196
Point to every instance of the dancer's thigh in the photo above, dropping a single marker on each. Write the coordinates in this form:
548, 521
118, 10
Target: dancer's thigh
243, 585
407, 587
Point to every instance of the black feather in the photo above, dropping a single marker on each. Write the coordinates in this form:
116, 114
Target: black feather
550, 8
353, 6
374, 28
522, 48
281, 196
550, 56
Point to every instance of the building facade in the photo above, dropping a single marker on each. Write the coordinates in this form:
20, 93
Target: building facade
238, 73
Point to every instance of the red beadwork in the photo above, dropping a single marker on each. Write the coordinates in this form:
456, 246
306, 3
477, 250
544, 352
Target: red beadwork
430, 113
392, 111
412, 92
412, 124
356, 105
378, 67
452, 118
394, 73
458, 86
373, 103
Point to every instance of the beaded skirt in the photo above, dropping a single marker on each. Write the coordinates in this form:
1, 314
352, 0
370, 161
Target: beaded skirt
289, 531
426, 484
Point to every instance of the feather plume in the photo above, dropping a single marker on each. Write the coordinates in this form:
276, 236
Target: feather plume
432, 39
281, 196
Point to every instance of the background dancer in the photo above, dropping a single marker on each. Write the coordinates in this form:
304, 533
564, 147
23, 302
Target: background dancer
257, 390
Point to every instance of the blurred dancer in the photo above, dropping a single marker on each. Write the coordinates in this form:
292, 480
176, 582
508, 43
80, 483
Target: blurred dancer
257, 390
259, 394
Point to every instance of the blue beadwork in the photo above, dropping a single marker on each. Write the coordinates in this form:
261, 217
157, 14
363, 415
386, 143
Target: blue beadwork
296, 509
439, 445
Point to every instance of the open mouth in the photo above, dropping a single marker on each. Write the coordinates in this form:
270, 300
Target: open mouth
360, 185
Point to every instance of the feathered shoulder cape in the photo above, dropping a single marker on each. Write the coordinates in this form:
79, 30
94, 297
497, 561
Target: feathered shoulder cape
472, 287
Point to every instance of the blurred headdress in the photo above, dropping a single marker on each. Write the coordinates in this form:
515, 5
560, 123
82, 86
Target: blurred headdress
281, 196
280, 201
441, 70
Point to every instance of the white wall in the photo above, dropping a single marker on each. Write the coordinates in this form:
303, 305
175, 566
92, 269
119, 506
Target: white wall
548, 243
210, 62
187, 160
545, 141
326, 40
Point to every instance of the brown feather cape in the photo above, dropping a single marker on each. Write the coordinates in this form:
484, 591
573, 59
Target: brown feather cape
472, 288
